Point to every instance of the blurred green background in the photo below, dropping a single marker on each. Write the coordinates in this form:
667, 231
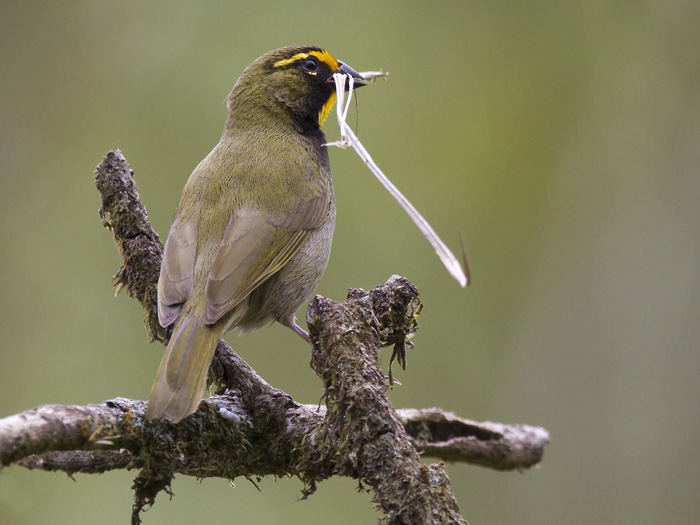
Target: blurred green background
562, 138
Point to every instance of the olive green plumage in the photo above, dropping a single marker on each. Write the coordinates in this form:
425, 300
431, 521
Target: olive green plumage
252, 233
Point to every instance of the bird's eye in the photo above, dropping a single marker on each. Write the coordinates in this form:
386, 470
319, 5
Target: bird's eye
310, 65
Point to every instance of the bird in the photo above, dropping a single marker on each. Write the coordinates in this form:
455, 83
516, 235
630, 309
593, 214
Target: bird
251, 235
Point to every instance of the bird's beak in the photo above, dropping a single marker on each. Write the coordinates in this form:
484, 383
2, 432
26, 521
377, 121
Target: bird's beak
358, 80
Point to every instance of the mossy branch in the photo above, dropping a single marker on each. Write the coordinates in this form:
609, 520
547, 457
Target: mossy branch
252, 429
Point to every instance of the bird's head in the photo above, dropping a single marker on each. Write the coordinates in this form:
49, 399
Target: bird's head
294, 84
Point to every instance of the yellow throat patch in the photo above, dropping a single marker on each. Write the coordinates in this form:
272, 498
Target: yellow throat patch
326, 109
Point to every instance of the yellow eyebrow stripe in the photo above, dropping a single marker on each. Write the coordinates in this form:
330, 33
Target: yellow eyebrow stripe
286, 61
323, 56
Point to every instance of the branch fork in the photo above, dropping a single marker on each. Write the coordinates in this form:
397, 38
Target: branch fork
357, 433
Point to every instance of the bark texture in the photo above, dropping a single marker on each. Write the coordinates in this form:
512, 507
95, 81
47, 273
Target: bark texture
251, 429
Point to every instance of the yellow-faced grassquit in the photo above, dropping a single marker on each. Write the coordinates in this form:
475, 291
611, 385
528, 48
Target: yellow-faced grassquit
252, 234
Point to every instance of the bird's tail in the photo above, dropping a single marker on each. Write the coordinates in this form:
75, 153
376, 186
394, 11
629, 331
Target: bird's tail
182, 375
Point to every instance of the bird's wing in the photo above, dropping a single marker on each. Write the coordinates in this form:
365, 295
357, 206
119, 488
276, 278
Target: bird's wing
255, 246
177, 270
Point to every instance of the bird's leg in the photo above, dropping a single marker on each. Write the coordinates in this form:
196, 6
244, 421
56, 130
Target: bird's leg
299, 330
